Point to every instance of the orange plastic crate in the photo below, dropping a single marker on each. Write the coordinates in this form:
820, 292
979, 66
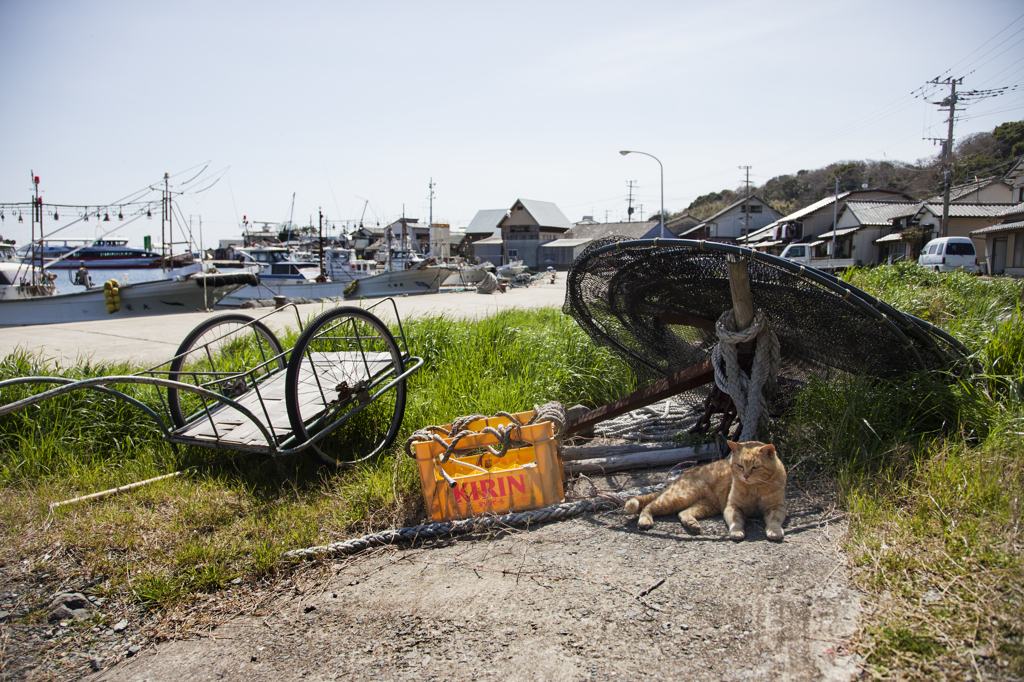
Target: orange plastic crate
524, 478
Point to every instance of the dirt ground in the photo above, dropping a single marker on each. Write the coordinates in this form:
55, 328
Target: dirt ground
558, 602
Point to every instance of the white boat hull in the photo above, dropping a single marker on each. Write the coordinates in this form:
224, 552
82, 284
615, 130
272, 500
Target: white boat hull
142, 299
425, 281
465, 276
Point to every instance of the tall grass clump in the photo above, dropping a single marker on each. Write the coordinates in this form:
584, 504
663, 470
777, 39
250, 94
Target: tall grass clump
931, 469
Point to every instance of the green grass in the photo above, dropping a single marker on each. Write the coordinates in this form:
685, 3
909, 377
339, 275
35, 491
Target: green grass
931, 470
173, 540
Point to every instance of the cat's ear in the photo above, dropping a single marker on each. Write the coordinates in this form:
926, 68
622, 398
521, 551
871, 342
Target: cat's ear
735, 447
768, 450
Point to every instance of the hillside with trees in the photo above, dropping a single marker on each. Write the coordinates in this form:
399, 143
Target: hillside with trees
978, 155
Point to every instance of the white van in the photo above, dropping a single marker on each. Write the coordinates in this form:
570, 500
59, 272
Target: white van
949, 253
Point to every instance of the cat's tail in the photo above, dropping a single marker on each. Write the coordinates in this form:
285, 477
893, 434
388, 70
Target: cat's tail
637, 503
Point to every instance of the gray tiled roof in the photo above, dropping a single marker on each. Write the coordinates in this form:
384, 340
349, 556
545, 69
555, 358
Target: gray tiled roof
545, 213
966, 210
633, 230
486, 221
1002, 227
881, 212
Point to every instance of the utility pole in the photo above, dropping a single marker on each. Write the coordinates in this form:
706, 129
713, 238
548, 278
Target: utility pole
641, 212
949, 104
629, 211
947, 148
746, 205
835, 218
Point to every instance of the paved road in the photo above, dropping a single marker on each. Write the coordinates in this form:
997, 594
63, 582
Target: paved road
151, 340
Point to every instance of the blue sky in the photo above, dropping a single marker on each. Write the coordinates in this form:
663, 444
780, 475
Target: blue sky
343, 102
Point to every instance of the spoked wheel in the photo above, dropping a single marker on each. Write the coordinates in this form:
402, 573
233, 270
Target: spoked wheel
342, 361
218, 348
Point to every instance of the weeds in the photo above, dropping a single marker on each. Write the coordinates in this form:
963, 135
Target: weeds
931, 470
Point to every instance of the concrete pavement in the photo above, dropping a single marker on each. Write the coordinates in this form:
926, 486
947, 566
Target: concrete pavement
150, 340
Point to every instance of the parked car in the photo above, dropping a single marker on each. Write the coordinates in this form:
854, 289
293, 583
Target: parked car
804, 254
949, 253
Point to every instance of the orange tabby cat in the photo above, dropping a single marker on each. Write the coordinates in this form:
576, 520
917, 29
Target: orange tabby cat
750, 482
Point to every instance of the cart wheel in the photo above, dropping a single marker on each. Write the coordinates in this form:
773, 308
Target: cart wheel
222, 345
343, 360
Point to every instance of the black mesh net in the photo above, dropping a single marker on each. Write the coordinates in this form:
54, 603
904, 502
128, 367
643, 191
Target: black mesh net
655, 303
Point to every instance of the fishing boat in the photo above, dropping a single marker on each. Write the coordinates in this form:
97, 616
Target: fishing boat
344, 275
111, 254
28, 295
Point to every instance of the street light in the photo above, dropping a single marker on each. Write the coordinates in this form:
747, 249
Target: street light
662, 216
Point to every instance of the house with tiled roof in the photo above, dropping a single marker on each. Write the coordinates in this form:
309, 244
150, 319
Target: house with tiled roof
521, 231
1004, 242
809, 224
964, 218
734, 222
561, 252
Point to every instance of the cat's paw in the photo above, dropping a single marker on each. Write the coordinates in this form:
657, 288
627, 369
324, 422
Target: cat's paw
775, 533
632, 507
737, 535
644, 522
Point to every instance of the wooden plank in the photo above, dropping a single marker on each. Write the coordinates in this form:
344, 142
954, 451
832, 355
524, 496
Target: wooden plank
641, 460
685, 380
574, 452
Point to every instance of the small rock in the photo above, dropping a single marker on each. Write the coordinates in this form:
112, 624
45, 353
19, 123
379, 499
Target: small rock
309, 609
120, 625
932, 595
4, 615
134, 649
69, 606
252, 659
96, 663
236, 581
982, 652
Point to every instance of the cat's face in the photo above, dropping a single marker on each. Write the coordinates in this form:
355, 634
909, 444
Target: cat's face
752, 462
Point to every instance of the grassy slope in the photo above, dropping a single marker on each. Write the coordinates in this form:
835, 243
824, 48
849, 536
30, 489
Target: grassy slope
932, 473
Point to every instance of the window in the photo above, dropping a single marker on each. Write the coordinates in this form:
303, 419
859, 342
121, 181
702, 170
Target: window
753, 208
931, 249
796, 252
959, 249
513, 253
1018, 250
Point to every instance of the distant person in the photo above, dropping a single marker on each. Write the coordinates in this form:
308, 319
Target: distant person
82, 277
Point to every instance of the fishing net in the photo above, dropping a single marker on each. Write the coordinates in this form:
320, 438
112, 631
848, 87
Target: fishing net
655, 302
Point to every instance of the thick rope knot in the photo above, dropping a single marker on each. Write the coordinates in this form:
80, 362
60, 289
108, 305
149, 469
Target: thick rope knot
509, 436
749, 392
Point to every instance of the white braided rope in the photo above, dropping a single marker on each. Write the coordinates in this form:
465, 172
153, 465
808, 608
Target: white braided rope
749, 392
433, 530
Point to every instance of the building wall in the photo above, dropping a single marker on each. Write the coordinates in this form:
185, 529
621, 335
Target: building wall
488, 253
997, 193
865, 250
960, 227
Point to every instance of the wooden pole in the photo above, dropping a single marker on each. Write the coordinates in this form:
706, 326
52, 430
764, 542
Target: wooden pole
641, 460
742, 304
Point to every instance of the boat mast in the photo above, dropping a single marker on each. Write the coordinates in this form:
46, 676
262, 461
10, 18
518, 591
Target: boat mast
165, 220
37, 215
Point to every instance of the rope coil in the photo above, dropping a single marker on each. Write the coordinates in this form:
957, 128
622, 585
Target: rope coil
508, 436
749, 392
